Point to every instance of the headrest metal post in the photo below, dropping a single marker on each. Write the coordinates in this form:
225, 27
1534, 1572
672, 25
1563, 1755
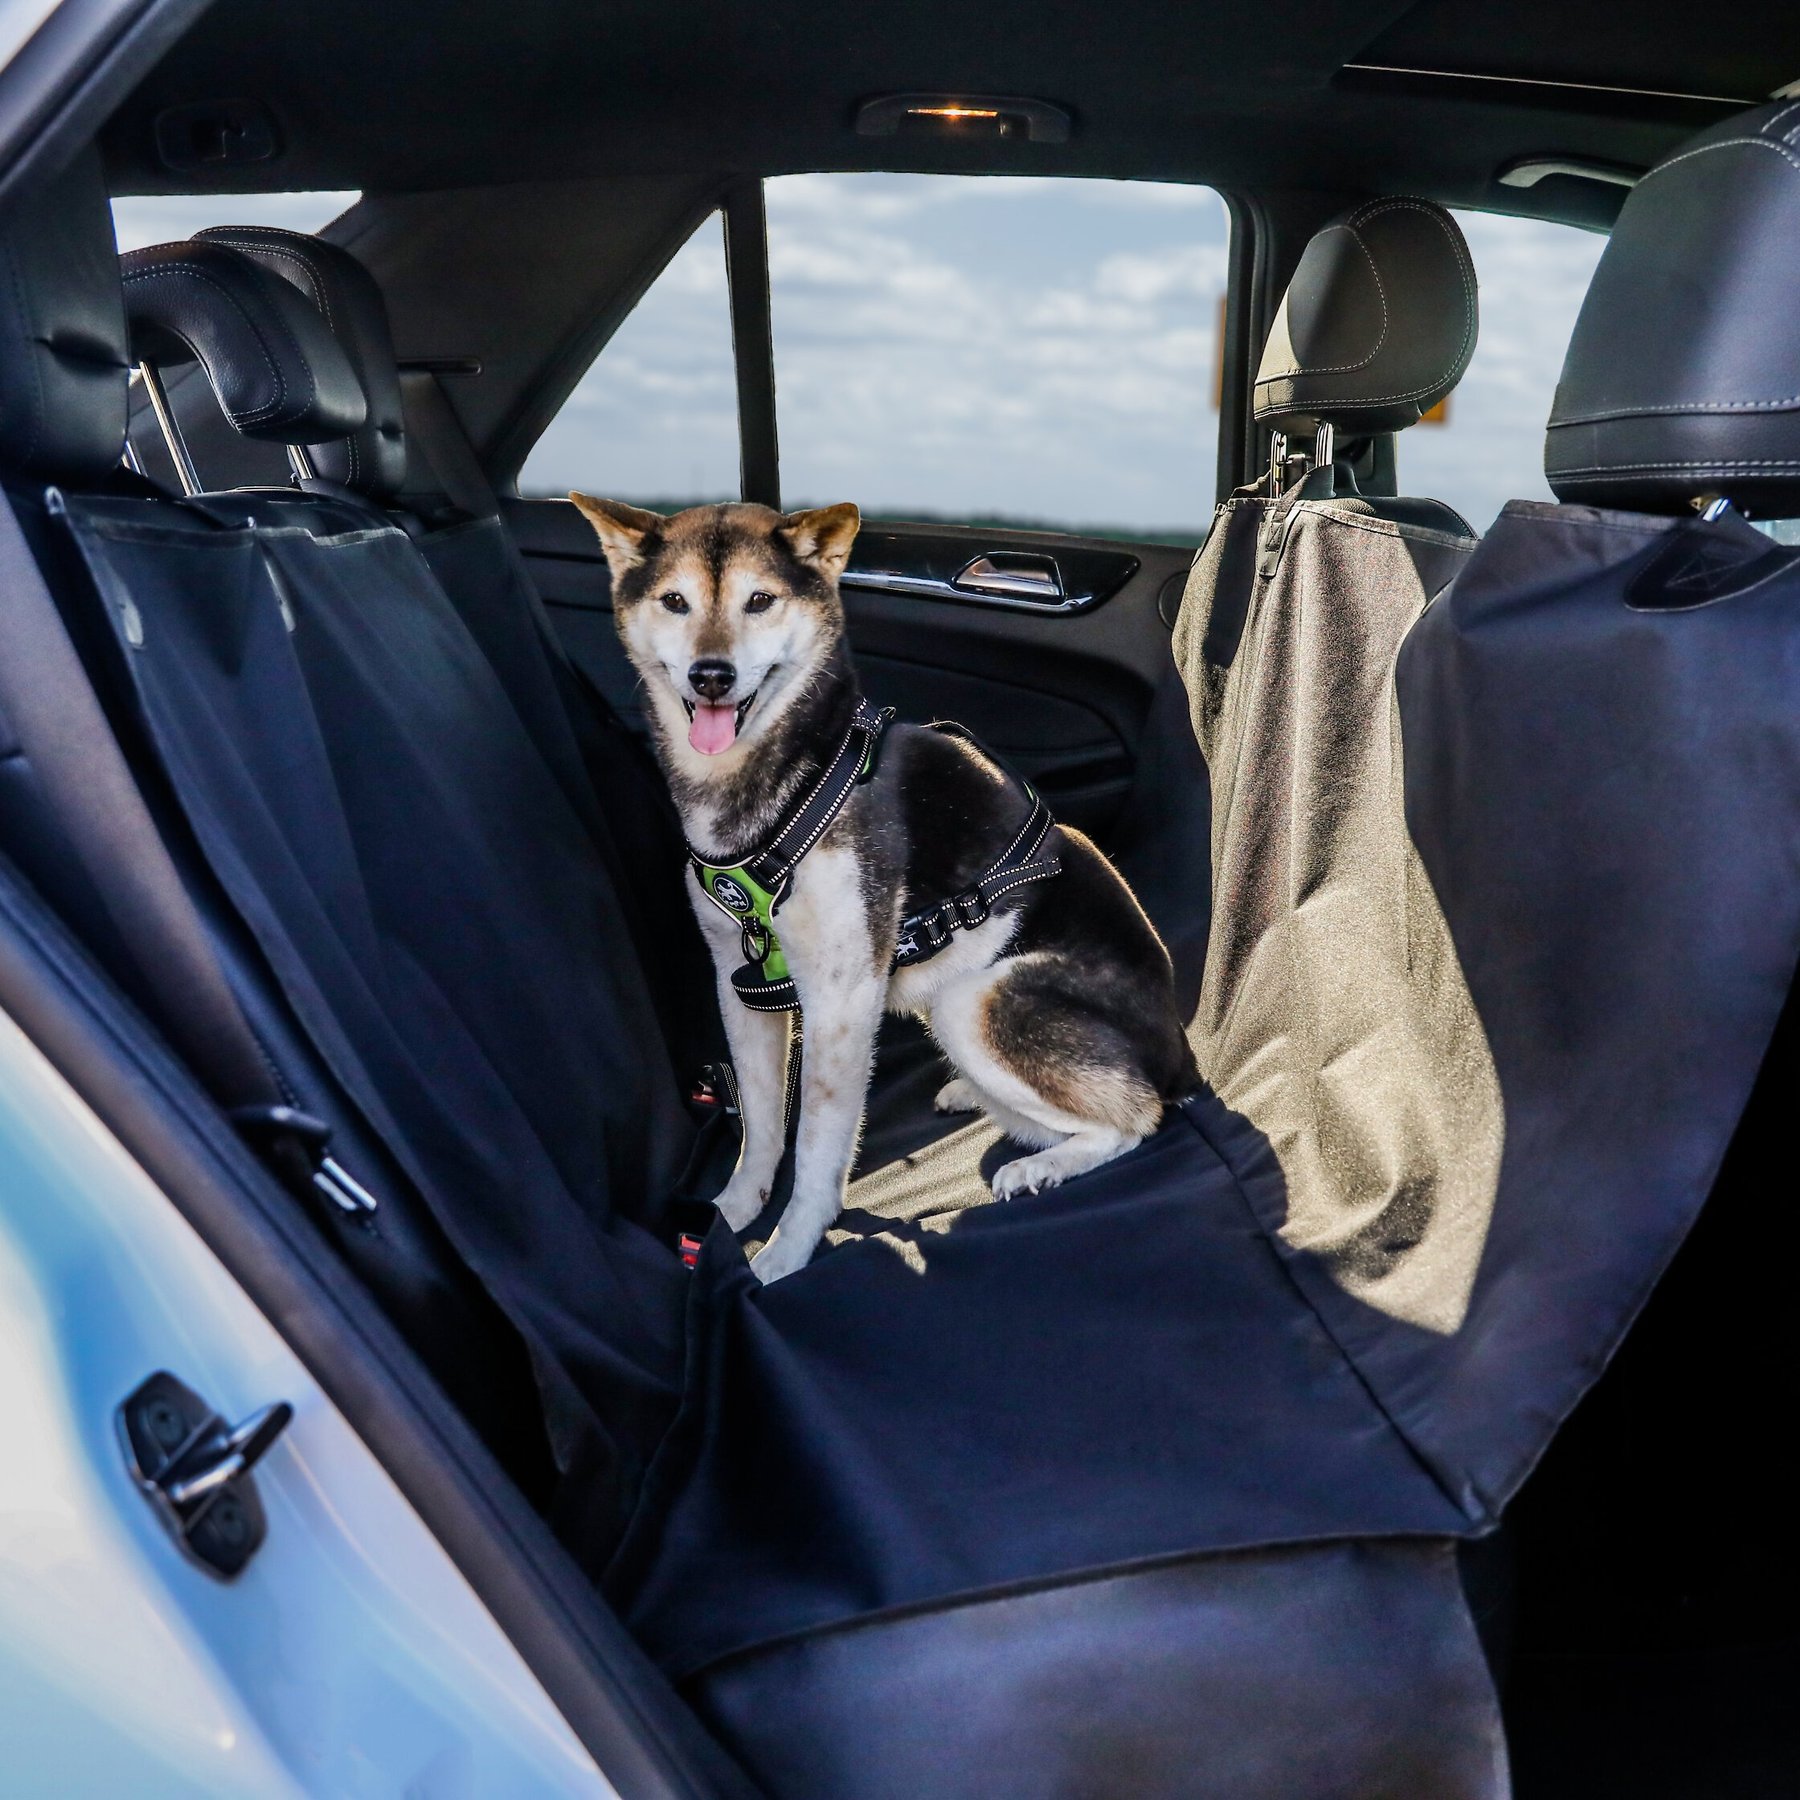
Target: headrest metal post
178, 450
1324, 451
301, 464
1277, 463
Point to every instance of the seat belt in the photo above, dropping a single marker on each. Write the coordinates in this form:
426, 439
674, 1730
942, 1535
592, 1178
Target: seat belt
443, 445
52, 711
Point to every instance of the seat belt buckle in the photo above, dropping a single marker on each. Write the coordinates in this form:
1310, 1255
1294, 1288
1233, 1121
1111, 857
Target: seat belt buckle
715, 1090
688, 1247
271, 1129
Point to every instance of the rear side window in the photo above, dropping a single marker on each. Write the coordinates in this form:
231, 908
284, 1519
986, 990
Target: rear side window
654, 420
1034, 352
142, 220
1487, 447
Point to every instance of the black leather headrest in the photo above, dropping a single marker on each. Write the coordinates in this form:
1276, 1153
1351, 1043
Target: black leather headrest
1377, 325
277, 371
372, 460
1683, 374
63, 363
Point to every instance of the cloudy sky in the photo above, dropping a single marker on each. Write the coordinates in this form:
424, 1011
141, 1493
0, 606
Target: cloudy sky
1034, 349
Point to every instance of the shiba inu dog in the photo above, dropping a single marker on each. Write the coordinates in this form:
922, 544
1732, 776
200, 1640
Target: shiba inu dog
927, 880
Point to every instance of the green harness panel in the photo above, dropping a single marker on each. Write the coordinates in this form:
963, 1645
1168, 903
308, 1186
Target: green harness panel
736, 891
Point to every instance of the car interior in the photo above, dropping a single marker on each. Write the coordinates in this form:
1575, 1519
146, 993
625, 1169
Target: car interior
1383, 1424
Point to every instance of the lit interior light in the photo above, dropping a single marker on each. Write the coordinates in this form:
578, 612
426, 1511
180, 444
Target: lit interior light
953, 112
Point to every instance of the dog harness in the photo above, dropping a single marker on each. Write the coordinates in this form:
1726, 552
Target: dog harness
750, 892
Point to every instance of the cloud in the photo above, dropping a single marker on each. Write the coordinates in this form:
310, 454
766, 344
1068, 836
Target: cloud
1035, 347
1038, 348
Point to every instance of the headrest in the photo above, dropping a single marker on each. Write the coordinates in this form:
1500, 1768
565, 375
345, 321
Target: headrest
277, 371
1377, 325
1683, 374
372, 460
63, 363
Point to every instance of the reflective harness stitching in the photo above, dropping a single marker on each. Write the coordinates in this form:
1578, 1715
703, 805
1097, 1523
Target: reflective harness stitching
750, 892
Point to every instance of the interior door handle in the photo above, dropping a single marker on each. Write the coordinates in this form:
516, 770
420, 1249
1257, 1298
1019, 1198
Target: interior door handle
1018, 578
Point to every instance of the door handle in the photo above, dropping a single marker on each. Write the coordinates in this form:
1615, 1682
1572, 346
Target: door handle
1020, 582
1019, 577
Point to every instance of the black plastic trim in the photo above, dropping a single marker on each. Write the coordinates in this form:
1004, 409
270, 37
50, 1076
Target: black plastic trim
752, 342
57, 90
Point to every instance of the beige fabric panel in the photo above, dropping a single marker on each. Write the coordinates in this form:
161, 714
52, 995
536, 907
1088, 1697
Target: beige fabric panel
1333, 1014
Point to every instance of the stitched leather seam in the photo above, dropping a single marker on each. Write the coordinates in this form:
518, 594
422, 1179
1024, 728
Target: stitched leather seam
292, 250
255, 415
1704, 465
1380, 337
1731, 406
1700, 406
1723, 144
1678, 406
1464, 270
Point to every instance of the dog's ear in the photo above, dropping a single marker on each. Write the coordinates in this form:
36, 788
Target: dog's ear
621, 528
822, 536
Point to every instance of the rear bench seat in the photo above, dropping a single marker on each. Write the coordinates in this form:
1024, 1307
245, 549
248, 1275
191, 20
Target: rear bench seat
1114, 1489
435, 919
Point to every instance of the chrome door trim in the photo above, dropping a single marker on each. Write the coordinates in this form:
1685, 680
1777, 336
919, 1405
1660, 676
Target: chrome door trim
932, 587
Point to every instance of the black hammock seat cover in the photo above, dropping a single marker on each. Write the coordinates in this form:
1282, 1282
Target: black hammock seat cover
1265, 1326
425, 896
1272, 1325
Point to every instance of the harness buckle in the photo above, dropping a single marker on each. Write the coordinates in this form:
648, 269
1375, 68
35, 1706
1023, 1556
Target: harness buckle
971, 908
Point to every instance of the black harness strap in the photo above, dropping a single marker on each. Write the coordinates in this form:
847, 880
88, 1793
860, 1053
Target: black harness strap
924, 933
774, 864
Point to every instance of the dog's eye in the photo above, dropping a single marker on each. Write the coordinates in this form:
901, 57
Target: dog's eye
760, 602
674, 602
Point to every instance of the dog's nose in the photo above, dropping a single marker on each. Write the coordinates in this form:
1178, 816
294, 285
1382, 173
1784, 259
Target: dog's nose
711, 678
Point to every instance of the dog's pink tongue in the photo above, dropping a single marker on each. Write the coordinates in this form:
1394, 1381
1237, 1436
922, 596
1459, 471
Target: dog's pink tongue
714, 728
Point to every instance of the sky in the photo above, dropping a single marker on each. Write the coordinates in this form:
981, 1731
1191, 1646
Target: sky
1036, 349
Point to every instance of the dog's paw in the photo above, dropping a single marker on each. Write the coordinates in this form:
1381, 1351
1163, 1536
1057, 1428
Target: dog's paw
1026, 1175
778, 1257
957, 1096
738, 1205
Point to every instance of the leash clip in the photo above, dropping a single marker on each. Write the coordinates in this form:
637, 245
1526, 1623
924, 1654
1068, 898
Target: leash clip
754, 941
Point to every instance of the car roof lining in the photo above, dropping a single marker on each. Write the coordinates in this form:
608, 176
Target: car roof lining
1296, 93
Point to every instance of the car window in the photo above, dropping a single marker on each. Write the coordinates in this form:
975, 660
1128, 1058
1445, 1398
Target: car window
1488, 445
654, 420
1038, 352
142, 220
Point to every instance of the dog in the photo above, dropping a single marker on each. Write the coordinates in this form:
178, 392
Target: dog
1057, 1009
